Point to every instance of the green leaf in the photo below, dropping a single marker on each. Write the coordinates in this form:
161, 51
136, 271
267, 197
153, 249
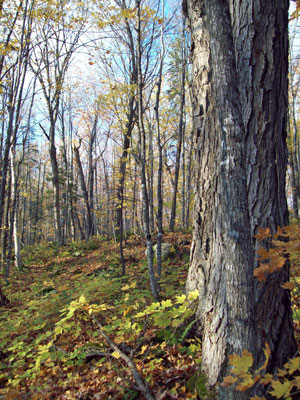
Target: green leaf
165, 304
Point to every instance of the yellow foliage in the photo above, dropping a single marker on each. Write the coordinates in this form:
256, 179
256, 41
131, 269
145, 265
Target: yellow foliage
281, 389
241, 364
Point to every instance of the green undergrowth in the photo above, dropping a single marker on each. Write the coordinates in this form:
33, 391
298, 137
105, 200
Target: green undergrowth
51, 346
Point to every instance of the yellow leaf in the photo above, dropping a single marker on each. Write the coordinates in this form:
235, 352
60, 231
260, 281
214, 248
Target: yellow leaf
116, 354
263, 253
277, 262
193, 295
294, 365
267, 352
127, 287
260, 271
241, 364
294, 246
180, 299
247, 383
281, 389
229, 380
296, 382
266, 379
82, 299
289, 285
263, 233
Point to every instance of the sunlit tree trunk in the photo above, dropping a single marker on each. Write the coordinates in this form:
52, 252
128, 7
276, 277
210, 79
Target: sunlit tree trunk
239, 109
181, 132
189, 180
142, 159
15, 198
160, 154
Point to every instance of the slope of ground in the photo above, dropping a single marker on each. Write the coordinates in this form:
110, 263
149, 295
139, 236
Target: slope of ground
70, 306
51, 347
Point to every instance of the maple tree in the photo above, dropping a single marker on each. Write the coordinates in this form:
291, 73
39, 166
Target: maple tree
98, 154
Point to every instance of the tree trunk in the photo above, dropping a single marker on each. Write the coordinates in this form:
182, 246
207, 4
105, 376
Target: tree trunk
55, 182
160, 154
4, 301
15, 198
84, 191
5, 225
178, 150
122, 172
189, 181
91, 173
239, 53
142, 156
294, 160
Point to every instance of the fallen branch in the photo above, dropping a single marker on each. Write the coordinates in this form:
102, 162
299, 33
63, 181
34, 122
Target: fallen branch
141, 384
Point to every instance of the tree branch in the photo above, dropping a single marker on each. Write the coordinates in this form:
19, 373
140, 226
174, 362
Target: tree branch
141, 384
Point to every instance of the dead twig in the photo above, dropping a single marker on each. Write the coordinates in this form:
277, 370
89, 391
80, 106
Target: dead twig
140, 382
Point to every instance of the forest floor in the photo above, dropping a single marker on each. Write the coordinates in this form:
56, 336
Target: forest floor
51, 340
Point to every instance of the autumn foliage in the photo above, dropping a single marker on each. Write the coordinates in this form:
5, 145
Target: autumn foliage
280, 248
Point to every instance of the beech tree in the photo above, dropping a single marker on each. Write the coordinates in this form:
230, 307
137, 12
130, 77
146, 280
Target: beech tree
240, 63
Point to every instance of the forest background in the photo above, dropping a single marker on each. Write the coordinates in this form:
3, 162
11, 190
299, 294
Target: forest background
96, 147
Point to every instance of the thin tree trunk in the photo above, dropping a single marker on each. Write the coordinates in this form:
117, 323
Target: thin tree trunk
180, 139
5, 226
294, 162
183, 194
160, 156
84, 191
91, 169
142, 155
189, 181
37, 204
55, 182
150, 179
16, 235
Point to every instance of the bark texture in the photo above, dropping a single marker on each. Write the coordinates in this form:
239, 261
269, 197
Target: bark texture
239, 54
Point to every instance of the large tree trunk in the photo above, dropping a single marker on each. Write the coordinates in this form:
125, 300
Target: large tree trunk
239, 52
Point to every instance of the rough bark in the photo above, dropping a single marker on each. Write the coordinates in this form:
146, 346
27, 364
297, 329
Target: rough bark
261, 51
222, 253
239, 54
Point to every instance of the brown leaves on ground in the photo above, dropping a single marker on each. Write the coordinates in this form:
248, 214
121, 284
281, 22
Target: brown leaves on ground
47, 279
